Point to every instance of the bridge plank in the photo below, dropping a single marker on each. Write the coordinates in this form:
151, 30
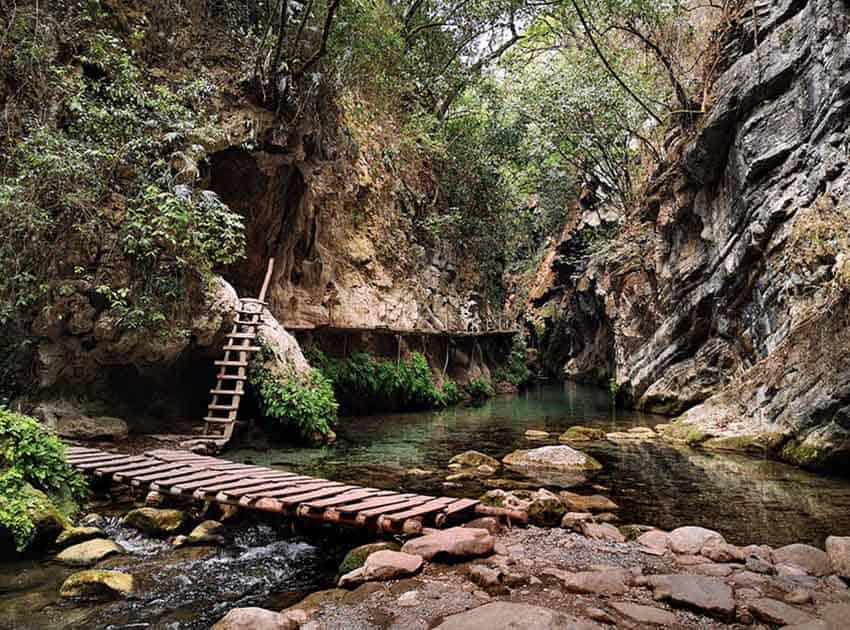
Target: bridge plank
460, 505
291, 501
153, 466
253, 486
84, 459
128, 465
161, 484
163, 474
313, 484
436, 505
380, 511
85, 466
373, 503
355, 495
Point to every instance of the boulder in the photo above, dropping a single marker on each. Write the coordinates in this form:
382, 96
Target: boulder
561, 458
510, 484
601, 531
776, 612
705, 594
94, 584
636, 434
383, 565
207, 532
534, 434
571, 520
545, 509
587, 503
455, 542
581, 434
254, 619
812, 559
89, 552
355, 558
654, 539
156, 520
76, 535
645, 615
609, 582
473, 459
510, 616
724, 552
838, 551
691, 540
78, 427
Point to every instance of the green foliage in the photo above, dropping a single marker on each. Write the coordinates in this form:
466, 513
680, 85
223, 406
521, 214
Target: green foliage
32, 458
363, 383
516, 372
479, 390
303, 405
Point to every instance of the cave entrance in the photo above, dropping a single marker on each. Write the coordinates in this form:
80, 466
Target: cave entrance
266, 189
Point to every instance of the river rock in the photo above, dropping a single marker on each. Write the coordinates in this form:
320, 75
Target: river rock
645, 615
561, 458
636, 434
534, 434
383, 565
78, 427
581, 434
601, 531
307, 608
654, 539
474, 459
94, 584
208, 532
587, 503
501, 615
691, 540
571, 520
156, 520
510, 484
455, 542
254, 619
812, 559
608, 582
490, 523
545, 508
76, 535
355, 558
89, 552
705, 594
724, 552
92, 520
838, 551
776, 612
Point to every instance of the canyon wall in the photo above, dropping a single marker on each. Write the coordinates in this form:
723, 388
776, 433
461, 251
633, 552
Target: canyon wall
726, 292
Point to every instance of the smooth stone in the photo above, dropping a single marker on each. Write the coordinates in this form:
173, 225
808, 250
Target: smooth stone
533, 434
581, 434
545, 508
206, 532
812, 559
461, 476
381, 566
455, 542
474, 459
645, 615
490, 523
410, 599
510, 484
776, 612
587, 503
835, 615
706, 594
723, 552
486, 470
799, 596
713, 570
254, 619
155, 520
572, 519
94, 584
601, 531
838, 551
654, 539
560, 458
89, 552
419, 473
76, 535
92, 520
483, 576
691, 540
609, 582
501, 615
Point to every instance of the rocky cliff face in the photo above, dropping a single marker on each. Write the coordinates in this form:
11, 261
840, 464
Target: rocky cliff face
726, 294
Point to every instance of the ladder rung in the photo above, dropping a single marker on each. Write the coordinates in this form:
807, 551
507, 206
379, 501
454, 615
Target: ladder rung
232, 377
241, 349
232, 363
226, 392
218, 420
238, 335
247, 322
252, 301
231, 407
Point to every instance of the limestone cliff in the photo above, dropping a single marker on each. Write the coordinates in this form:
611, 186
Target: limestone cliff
726, 292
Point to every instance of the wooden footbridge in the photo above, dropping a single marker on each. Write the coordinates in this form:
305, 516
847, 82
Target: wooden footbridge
203, 478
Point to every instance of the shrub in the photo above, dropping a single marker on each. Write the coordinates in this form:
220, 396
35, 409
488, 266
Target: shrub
516, 372
479, 390
31, 460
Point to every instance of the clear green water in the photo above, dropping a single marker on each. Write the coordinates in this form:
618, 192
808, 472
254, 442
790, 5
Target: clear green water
653, 483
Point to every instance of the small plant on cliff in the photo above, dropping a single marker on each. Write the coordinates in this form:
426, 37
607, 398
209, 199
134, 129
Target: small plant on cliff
304, 404
34, 476
479, 390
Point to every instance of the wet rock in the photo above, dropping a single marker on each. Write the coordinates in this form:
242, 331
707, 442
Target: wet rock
534, 434
95, 584
461, 476
92, 520
812, 559
510, 484
608, 582
601, 531
645, 615
776, 612
355, 558
691, 540
838, 551
155, 520
581, 434
78, 427
587, 503
455, 542
501, 615
490, 523
654, 539
560, 458
362, 593
545, 508
206, 532
486, 470
704, 594
419, 473
89, 552
76, 535
473, 459
571, 520
254, 619
636, 434
381, 566
307, 608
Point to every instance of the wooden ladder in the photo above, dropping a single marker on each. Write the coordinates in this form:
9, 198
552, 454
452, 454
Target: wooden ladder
232, 374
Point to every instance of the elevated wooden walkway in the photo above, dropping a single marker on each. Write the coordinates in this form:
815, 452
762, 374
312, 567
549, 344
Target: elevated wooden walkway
203, 478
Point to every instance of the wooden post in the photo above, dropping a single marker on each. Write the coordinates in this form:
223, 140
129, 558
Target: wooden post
267, 280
